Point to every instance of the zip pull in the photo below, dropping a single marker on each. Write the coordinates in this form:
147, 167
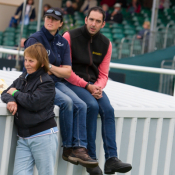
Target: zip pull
91, 39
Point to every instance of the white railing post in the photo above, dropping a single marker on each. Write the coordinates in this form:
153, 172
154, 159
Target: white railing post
59, 145
6, 145
101, 155
144, 146
157, 146
169, 147
131, 142
119, 128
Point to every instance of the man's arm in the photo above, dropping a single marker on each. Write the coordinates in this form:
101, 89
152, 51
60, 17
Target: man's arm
104, 69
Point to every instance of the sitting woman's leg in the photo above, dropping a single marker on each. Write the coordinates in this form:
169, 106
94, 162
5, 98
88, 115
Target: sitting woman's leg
65, 115
79, 153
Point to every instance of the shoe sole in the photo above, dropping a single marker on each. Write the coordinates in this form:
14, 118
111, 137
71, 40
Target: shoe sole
121, 170
86, 164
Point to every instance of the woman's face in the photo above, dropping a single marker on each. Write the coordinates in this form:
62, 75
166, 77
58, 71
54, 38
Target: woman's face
52, 24
31, 64
30, 2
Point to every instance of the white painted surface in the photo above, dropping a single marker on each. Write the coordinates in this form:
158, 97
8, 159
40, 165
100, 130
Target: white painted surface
134, 107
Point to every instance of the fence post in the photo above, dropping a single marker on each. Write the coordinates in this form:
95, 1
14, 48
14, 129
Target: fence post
6, 145
132, 46
143, 42
120, 48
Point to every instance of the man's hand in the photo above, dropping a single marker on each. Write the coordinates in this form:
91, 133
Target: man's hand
12, 107
11, 90
96, 91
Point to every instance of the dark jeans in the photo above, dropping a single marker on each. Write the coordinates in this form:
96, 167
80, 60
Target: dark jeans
72, 116
103, 107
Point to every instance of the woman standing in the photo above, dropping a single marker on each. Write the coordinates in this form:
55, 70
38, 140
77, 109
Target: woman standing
31, 100
29, 12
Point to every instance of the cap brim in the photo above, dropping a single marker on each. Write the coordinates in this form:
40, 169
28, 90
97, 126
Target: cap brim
53, 15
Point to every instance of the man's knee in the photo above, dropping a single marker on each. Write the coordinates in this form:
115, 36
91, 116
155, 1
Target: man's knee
93, 105
109, 109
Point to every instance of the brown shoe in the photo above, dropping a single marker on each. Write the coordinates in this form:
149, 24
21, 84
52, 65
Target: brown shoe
66, 153
80, 156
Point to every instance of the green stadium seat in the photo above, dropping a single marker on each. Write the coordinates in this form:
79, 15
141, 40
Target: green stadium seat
107, 34
9, 43
118, 35
117, 30
18, 31
126, 45
137, 47
129, 32
23, 35
127, 26
32, 23
114, 56
79, 22
9, 34
138, 28
126, 52
32, 27
78, 17
107, 24
115, 25
105, 30
10, 29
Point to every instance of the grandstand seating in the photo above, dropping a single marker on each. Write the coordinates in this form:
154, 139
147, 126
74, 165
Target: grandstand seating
130, 26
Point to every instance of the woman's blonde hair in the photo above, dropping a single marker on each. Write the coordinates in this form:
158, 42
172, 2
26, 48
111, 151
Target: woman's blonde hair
38, 52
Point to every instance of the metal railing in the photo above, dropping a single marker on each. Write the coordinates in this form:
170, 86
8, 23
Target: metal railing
113, 65
165, 37
166, 83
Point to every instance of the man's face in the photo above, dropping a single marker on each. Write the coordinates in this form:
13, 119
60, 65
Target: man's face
52, 24
94, 22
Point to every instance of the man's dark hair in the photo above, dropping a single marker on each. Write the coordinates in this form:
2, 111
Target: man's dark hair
99, 9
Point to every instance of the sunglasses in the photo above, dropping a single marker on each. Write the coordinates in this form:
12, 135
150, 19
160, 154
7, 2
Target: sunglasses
56, 12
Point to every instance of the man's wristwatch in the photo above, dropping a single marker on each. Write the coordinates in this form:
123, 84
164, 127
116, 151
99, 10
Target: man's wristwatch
50, 66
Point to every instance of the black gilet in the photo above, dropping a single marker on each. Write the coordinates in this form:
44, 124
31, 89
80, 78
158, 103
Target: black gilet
87, 53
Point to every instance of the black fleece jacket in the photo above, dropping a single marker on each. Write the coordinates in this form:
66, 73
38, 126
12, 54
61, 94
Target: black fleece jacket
35, 101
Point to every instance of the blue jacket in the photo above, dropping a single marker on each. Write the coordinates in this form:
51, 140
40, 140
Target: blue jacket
57, 48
